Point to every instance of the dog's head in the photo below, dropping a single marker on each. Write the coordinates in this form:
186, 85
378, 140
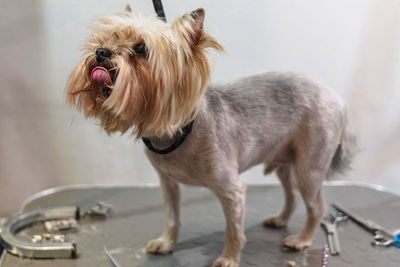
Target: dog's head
143, 74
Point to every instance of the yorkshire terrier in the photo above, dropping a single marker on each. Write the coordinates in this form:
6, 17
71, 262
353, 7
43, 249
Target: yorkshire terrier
150, 77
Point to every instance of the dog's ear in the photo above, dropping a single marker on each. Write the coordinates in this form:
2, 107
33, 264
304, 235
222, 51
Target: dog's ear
196, 20
128, 9
191, 25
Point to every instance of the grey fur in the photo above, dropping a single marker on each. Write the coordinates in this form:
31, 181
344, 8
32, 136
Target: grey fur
343, 157
284, 120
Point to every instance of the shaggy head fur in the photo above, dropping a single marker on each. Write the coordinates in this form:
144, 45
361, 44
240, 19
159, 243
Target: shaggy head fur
159, 72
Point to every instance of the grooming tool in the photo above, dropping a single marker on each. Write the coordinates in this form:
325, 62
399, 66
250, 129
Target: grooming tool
382, 237
38, 249
330, 225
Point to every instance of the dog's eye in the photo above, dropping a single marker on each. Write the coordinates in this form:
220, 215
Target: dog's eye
140, 49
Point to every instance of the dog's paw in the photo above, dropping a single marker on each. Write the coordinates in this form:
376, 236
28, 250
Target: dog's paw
275, 222
296, 242
159, 246
225, 262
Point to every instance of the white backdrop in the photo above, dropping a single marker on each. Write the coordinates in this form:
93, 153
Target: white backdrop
351, 45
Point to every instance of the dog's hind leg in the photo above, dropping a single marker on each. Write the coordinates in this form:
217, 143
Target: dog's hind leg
171, 194
309, 173
289, 187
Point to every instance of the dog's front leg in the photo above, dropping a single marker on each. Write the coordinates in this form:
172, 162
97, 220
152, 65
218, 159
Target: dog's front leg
171, 194
232, 197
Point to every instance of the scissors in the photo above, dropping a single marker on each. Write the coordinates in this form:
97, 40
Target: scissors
382, 237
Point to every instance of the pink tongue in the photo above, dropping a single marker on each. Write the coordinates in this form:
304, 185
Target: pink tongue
101, 76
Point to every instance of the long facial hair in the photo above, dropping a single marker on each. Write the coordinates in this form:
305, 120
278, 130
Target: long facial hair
155, 94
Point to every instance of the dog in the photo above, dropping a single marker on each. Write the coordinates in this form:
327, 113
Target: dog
151, 78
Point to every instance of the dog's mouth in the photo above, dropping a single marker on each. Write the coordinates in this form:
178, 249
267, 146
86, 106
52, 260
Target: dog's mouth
102, 77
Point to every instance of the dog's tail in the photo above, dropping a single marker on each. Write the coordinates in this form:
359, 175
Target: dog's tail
341, 161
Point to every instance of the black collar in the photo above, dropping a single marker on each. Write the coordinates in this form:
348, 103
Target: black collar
186, 130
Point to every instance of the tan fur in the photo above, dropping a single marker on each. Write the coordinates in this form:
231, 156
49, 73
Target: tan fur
155, 95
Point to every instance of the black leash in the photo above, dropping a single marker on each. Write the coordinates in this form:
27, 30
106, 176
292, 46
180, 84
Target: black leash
187, 129
159, 10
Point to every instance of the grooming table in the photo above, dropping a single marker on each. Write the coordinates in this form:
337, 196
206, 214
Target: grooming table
138, 217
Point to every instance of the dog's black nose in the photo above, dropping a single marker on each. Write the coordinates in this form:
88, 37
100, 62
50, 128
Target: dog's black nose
102, 54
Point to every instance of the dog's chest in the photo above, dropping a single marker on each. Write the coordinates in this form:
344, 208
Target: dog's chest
180, 168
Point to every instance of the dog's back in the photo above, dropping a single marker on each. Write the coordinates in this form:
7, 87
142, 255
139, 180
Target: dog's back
263, 115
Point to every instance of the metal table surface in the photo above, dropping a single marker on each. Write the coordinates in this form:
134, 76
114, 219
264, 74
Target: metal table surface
138, 217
